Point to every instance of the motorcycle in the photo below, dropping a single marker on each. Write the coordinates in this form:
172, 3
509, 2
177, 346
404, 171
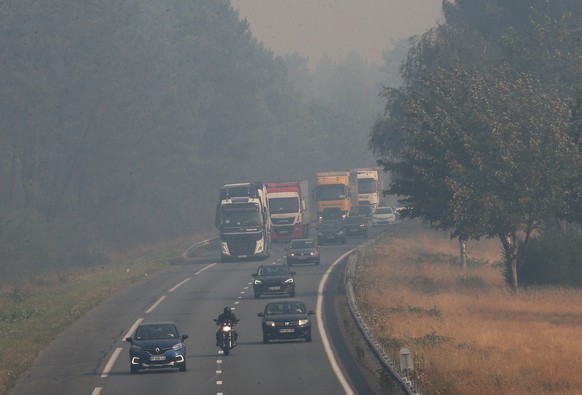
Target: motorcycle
226, 336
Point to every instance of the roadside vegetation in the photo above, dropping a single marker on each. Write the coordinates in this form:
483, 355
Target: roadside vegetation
469, 332
32, 314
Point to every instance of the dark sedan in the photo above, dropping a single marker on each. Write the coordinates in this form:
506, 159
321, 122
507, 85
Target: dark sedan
286, 319
273, 279
356, 226
302, 251
331, 231
156, 346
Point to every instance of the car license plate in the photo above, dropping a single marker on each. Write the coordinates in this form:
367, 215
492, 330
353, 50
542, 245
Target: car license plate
158, 358
287, 330
274, 288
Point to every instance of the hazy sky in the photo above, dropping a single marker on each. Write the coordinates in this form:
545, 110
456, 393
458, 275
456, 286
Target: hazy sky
335, 27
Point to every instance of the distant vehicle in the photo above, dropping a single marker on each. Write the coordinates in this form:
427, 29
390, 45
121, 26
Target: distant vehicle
273, 279
331, 231
332, 195
383, 216
242, 218
288, 209
356, 226
302, 251
369, 190
286, 319
157, 345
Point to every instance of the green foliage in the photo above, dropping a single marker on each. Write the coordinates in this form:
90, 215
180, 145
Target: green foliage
553, 259
483, 139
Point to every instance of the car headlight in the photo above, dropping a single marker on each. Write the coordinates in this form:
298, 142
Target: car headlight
224, 248
177, 346
135, 348
362, 226
320, 234
289, 281
313, 253
270, 323
258, 282
303, 322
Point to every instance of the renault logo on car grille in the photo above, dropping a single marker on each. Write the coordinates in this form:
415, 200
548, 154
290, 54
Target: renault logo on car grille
157, 350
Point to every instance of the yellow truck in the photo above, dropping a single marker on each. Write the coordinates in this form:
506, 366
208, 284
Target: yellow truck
332, 195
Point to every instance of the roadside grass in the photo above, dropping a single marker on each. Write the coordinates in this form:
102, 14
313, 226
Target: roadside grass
469, 333
34, 312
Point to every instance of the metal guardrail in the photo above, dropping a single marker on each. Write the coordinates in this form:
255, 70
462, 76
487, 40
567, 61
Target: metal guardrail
197, 245
382, 353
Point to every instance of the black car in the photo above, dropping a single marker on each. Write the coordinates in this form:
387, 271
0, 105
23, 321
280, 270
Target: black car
356, 226
302, 251
286, 319
331, 231
274, 279
156, 346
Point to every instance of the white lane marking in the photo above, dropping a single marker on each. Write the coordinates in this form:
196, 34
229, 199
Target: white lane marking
219, 382
97, 391
205, 268
111, 362
323, 333
219, 372
177, 285
237, 302
156, 304
132, 329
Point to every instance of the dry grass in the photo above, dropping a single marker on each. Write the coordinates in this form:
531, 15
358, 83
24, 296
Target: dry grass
469, 333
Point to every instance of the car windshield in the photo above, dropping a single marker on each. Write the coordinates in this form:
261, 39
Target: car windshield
302, 244
384, 210
273, 270
154, 332
285, 308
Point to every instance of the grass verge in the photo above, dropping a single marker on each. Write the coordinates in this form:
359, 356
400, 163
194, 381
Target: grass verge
34, 312
469, 333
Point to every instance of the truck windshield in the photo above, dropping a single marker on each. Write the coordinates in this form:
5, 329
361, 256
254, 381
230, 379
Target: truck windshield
331, 192
284, 205
366, 185
241, 215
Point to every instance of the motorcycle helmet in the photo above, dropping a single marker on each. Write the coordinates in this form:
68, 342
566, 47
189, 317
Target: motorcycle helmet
227, 310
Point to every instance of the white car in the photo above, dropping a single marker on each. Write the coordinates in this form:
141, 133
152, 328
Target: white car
383, 216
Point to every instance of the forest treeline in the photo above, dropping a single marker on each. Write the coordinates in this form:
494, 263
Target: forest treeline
484, 137
120, 119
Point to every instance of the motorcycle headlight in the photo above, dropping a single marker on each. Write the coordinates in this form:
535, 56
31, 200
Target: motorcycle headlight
177, 346
303, 322
289, 281
226, 328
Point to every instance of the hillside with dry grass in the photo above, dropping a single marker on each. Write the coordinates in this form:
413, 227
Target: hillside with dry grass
469, 333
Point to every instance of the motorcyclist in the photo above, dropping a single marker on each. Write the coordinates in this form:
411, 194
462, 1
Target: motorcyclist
227, 316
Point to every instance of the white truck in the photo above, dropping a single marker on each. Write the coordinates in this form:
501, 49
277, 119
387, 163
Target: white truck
242, 217
369, 189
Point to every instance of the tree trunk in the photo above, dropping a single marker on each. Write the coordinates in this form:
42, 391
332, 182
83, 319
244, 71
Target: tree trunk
510, 249
463, 252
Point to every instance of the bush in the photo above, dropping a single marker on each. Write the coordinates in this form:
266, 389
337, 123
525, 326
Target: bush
552, 259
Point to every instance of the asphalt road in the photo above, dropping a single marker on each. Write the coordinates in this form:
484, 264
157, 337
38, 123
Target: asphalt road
91, 357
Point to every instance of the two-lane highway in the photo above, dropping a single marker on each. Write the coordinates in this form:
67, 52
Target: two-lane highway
91, 357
